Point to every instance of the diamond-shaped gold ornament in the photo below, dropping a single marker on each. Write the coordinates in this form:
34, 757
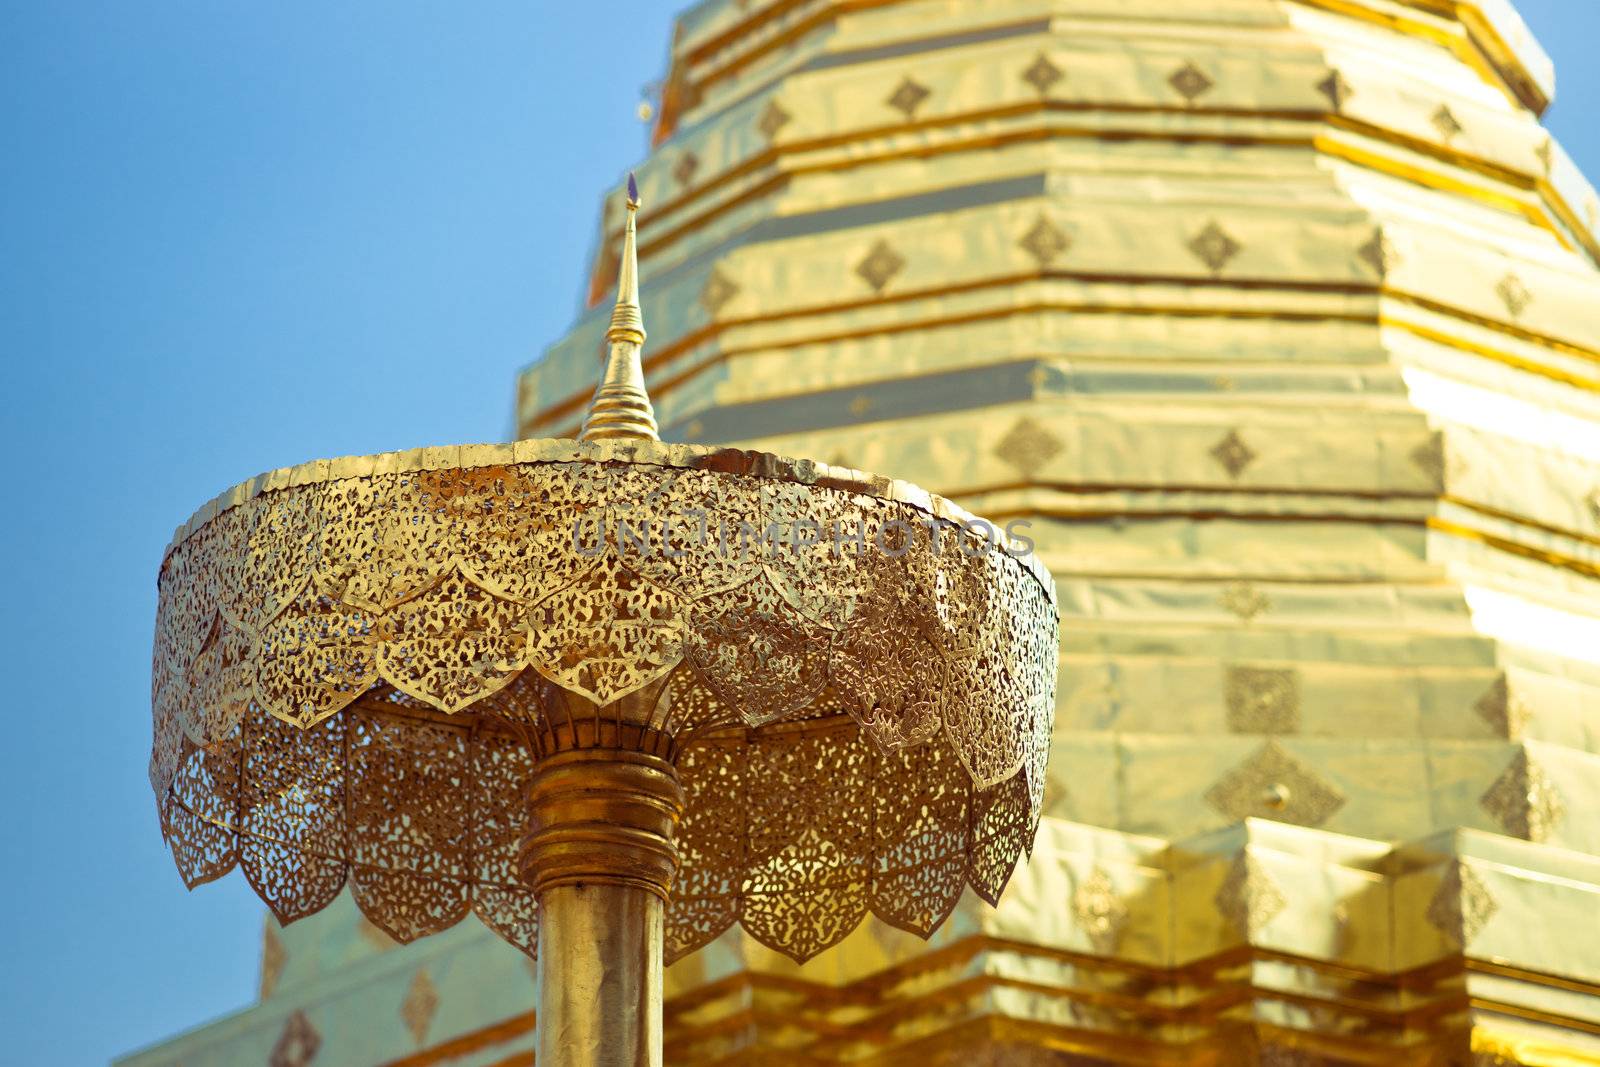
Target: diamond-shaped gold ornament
1027, 446
1429, 457
881, 264
1524, 801
1272, 784
1191, 82
1099, 911
297, 1043
907, 97
1546, 154
1503, 710
1042, 74
683, 170
773, 118
1461, 906
1247, 898
419, 1006
1444, 120
1379, 254
1514, 295
716, 293
1262, 700
1233, 454
1244, 600
1044, 241
1214, 247
1336, 89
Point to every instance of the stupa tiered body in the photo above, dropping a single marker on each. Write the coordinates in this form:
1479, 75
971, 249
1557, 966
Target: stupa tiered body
1278, 320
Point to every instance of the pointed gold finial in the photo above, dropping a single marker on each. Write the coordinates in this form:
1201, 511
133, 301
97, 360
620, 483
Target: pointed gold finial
621, 407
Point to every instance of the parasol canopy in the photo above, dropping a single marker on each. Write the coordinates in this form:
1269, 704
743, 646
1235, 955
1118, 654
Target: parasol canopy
359, 662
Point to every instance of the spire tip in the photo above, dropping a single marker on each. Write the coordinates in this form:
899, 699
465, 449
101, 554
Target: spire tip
621, 407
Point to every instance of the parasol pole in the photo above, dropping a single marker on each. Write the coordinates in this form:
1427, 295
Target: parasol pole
604, 803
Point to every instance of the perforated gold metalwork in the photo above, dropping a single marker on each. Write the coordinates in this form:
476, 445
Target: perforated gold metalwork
357, 664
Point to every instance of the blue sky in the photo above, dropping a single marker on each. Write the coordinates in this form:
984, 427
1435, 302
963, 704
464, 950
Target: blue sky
235, 236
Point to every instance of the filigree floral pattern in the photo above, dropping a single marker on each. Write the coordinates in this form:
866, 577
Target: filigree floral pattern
354, 663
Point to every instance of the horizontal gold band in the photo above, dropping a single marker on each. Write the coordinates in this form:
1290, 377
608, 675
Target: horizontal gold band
1432, 1004
1404, 170
554, 417
1476, 50
1558, 560
475, 1041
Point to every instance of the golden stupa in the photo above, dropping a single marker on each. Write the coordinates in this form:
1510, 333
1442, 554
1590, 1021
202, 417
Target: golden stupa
1279, 320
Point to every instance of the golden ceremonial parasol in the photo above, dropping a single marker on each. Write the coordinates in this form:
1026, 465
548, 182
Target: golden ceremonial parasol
609, 695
